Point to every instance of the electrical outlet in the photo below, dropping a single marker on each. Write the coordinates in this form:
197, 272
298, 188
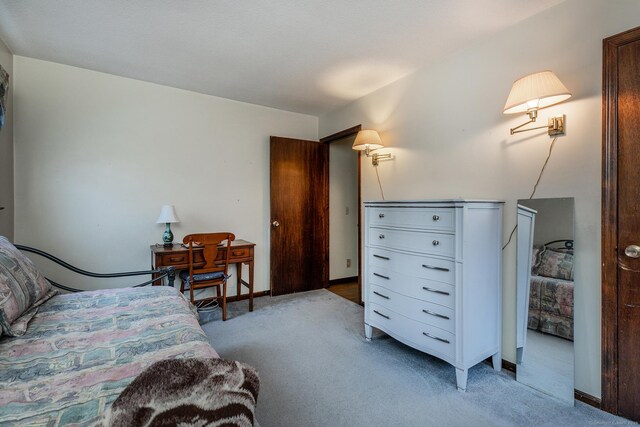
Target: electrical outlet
348, 262
346, 211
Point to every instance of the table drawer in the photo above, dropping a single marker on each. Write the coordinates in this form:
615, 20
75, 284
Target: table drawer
427, 337
175, 259
425, 290
239, 253
413, 265
421, 311
440, 219
415, 241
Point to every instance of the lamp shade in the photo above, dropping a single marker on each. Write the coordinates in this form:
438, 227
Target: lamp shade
538, 90
167, 215
367, 139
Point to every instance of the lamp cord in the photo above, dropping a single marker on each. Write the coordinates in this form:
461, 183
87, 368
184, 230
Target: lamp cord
535, 187
379, 184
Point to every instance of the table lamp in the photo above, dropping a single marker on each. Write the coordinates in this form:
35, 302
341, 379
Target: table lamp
167, 216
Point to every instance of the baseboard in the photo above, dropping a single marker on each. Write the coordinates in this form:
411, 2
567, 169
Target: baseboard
246, 296
587, 398
343, 280
508, 366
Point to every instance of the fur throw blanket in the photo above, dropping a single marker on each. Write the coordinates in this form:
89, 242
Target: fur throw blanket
188, 392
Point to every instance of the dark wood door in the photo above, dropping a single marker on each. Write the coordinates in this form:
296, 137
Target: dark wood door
299, 215
621, 226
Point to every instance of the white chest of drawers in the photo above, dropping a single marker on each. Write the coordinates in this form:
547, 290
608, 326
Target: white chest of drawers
432, 278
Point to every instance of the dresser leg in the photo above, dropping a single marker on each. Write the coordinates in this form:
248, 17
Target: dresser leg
461, 379
368, 331
496, 359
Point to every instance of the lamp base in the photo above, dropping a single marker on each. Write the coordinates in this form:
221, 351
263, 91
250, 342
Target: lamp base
167, 236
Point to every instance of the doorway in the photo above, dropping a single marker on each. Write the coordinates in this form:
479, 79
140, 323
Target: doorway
621, 225
299, 203
344, 215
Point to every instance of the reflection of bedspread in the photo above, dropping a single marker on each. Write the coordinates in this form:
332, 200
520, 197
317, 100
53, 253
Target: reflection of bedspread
551, 306
81, 350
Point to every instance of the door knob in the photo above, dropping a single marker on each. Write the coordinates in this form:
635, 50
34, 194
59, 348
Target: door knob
275, 224
632, 251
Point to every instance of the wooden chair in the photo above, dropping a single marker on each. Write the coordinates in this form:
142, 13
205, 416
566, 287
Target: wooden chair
213, 273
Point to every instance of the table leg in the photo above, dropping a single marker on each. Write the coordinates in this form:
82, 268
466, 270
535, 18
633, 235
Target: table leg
239, 281
251, 285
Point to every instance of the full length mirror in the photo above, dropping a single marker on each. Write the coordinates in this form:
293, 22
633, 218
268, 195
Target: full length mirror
545, 286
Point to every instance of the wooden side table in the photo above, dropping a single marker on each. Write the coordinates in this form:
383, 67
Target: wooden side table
177, 256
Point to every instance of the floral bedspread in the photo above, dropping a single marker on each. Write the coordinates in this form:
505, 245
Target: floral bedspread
551, 306
81, 350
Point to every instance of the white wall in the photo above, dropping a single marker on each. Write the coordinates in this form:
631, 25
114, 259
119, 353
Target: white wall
6, 150
343, 196
446, 128
96, 155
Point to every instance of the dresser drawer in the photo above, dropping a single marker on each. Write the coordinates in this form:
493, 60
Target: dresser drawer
415, 241
421, 311
426, 337
440, 219
425, 290
413, 265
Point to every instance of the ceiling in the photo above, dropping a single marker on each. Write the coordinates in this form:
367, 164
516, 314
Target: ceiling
304, 56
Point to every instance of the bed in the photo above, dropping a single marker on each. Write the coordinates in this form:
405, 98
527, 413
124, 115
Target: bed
551, 291
81, 350
116, 357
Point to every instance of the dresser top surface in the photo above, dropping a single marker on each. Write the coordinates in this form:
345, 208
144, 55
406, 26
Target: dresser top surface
428, 202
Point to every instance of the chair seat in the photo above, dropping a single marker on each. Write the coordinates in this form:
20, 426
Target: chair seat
184, 275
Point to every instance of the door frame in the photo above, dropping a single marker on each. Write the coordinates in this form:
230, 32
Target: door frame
328, 140
609, 364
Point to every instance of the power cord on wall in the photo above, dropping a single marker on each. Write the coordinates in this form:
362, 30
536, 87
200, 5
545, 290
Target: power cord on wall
379, 184
535, 187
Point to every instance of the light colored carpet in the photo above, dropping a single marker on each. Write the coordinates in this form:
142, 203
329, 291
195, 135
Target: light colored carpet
316, 369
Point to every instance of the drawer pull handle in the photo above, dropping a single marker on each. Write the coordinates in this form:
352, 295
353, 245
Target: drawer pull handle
237, 253
436, 217
380, 314
176, 259
442, 316
381, 257
380, 236
436, 291
380, 275
433, 337
435, 242
381, 215
380, 295
435, 268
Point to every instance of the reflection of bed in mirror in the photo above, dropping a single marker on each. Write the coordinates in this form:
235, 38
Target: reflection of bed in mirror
551, 289
545, 287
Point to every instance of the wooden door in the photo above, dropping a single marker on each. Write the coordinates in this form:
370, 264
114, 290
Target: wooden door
299, 215
621, 226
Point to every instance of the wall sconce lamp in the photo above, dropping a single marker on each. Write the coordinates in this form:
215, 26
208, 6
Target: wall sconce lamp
533, 92
368, 141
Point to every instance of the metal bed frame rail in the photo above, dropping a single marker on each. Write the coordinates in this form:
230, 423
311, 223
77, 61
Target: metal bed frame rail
168, 272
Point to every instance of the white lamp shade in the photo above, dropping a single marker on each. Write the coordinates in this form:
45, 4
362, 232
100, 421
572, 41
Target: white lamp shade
167, 214
367, 139
538, 90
